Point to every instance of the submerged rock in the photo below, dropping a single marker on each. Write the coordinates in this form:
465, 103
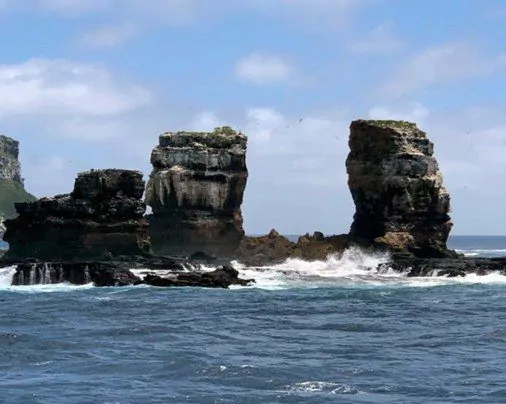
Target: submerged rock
397, 188
12, 188
195, 191
102, 217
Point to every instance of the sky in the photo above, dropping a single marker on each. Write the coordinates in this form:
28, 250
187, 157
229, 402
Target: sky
93, 83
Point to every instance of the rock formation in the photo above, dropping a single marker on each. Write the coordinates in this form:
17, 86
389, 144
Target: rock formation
196, 190
103, 216
10, 168
397, 188
153, 271
2, 227
274, 248
11, 183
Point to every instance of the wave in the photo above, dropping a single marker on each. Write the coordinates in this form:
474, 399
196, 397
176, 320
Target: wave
490, 253
354, 268
6, 275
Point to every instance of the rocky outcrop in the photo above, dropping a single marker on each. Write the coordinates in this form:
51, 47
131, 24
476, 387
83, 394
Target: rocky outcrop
274, 248
75, 273
10, 168
103, 216
447, 267
156, 271
11, 183
222, 277
397, 188
196, 190
2, 227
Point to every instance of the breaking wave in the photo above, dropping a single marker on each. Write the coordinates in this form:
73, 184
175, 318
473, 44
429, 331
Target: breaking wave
6, 275
354, 268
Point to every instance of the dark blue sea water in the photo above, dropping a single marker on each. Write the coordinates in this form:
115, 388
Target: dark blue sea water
324, 332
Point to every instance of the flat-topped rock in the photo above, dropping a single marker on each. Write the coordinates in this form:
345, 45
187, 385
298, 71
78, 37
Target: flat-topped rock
394, 179
196, 190
103, 216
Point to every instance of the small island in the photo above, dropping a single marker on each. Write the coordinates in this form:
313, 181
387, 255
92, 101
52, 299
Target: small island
99, 232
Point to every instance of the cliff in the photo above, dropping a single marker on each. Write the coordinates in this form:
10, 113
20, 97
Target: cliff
394, 179
196, 190
102, 217
11, 183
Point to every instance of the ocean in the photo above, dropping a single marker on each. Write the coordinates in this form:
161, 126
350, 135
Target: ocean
321, 332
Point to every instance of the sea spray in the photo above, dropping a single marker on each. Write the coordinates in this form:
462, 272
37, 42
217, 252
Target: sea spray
355, 267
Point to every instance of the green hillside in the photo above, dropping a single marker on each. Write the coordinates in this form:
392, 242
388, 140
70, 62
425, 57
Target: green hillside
10, 193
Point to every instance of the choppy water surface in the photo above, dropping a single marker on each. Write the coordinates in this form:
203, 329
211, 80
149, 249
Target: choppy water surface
330, 331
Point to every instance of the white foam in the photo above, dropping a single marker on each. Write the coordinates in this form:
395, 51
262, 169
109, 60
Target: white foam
323, 387
354, 268
6, 275
481, 252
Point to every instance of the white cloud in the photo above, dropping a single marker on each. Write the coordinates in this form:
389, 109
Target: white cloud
109, 36
47, 86
262, 69
381, 40
440, 64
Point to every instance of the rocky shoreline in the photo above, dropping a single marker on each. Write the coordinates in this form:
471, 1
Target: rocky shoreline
99, 233
153, 271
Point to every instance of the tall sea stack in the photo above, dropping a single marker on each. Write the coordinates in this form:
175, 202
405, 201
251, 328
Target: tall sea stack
196, 190
397, 188
101, 218
11, 183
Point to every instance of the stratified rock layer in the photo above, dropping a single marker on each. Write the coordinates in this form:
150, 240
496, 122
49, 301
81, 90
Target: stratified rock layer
397, 188
196, 190
103, 216
11, 183
10, 168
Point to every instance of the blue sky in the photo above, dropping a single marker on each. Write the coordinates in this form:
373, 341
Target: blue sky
92, 83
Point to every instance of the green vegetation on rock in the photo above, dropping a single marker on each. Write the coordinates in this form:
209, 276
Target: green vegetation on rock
12, 192
224, 130
402, 125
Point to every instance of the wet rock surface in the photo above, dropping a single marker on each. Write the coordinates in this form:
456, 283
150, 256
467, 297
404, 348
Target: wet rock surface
102, 217
449, 267
195, 191
274, 248
157, 271
397, 188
